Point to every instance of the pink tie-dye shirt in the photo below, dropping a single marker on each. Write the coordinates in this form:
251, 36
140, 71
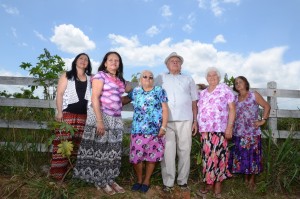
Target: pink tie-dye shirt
213, 108
110, 99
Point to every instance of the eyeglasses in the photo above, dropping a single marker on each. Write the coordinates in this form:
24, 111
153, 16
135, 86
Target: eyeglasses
148, 77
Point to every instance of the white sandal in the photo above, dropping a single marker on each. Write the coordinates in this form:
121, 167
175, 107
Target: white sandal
108, 190
117, 188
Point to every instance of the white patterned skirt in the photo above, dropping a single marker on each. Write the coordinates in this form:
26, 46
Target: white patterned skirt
99, 157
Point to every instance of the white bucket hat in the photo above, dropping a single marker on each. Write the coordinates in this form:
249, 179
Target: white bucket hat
173, 54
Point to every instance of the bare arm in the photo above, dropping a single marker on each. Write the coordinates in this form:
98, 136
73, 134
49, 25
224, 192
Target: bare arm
97, 87
125, 100
61, 88
165, 117
128, 87
231, 118
195, 123
265, 105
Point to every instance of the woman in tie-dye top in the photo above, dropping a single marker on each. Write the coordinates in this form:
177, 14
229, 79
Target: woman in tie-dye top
216, 114
246, 154
99, 156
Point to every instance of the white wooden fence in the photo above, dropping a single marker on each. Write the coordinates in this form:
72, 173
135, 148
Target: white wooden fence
272, 93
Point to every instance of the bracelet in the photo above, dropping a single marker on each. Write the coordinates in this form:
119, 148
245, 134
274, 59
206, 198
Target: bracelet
263, 119
99, 120
164, 129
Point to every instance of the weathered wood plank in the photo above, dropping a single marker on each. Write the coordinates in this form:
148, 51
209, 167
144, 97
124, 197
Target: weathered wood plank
23, 124
285, 134
7, 80
39, 147
127, 107
288, 113
278, 92
20, 102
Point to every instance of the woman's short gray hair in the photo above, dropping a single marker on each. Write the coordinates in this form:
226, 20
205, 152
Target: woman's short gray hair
212, 69
142, 74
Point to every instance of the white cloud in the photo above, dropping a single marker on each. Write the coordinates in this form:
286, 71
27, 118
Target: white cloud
153, 30
259, 67
191, 21
202, 3
119, 40
187, 28
24, 44
166, 11
216, 6
10, 10
71, 39
191, 18
14, 32
39, 35
219, 39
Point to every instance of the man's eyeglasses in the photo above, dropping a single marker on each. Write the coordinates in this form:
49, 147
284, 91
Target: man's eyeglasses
148, 77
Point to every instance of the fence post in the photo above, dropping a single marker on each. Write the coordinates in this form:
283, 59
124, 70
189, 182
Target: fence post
272, 100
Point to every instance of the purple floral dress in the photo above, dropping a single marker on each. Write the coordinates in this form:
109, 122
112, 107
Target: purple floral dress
246, 154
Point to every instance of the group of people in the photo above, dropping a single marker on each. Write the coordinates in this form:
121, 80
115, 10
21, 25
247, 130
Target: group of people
168, 111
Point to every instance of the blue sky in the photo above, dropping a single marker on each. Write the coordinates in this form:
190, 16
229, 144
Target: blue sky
255, 38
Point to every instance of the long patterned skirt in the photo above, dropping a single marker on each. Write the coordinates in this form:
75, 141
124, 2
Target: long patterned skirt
246, 155
215, 157
59, 164
99, 157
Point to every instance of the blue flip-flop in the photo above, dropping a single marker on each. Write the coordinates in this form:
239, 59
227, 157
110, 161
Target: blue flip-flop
144, 188
136, 187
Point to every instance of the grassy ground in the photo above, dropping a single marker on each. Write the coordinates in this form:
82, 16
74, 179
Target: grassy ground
39, 187
23, 174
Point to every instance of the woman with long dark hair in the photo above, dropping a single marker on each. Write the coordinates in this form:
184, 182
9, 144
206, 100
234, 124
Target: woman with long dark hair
73, 92
99, 156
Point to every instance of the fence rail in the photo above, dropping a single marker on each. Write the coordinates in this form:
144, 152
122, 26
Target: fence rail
271, 92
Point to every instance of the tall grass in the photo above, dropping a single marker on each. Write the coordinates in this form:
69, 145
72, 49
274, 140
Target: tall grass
282, 163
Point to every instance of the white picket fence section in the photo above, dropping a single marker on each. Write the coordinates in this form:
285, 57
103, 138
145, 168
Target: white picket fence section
271, 92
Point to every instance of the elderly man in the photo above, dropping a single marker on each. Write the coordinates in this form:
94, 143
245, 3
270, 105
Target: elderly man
182, 94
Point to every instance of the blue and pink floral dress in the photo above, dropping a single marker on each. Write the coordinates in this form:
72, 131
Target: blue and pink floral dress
145, 145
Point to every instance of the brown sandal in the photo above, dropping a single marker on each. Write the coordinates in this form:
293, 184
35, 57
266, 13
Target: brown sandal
202, 192
217, 195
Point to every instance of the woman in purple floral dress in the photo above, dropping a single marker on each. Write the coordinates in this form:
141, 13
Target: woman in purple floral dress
246, 154
216, 114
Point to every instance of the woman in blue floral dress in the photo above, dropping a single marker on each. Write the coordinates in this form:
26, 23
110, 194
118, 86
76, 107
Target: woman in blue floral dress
148, 128
246, 154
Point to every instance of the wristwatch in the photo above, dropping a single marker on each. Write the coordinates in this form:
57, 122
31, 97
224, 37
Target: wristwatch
164, 129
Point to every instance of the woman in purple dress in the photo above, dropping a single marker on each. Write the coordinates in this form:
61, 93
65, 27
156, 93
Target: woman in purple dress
246, 154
